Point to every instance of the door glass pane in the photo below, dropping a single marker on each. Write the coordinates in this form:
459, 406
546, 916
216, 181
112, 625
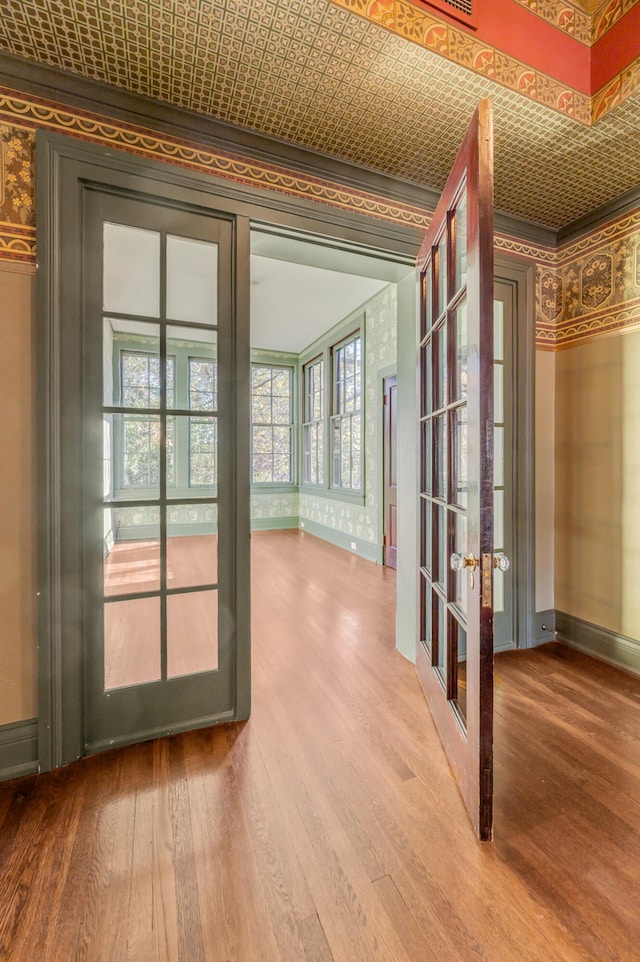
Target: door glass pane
441, 456
440, 372
498, 520
441, 261
441, 562
459, 493
131, 364
192, 545
202, 372
192, 633
192, 280
459, 638
203, 452
460, 387
498, 330
425, 305
425, 613
426, 547
137, 462
131, 642
131, 270
462, 576
498, 456
131, 550
498, 392
426, 467
426, 385
439, 636
461, 242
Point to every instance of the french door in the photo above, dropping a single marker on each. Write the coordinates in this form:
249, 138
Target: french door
156, 458
455, 654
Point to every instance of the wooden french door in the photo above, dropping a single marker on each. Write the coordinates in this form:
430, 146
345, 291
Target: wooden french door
455, 654
156, 452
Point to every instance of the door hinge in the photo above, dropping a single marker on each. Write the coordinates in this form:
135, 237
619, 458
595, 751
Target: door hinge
384, 540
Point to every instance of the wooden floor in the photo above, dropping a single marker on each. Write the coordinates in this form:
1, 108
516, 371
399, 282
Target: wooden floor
328, 827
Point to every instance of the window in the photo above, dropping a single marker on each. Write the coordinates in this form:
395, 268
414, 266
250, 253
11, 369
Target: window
271, 424
203, 440
313, 425
140, 388
346, 420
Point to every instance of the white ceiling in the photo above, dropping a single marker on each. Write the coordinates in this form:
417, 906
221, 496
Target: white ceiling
302, 288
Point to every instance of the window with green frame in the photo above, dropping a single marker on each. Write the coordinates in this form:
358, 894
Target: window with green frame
313, 422
192, 441
346, 417
203, 431
140, 388
271, 424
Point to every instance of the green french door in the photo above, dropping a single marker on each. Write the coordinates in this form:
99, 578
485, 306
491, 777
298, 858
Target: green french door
158, 486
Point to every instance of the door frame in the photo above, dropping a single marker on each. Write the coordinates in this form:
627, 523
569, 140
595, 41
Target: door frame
519, 276
387, 374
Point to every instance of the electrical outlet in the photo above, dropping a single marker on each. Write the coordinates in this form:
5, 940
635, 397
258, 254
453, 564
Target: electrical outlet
353, 546
302, 524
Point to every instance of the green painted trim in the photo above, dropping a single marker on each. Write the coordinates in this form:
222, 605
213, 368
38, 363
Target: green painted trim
148, 532
274, 524
332, 494
372, 552
609, 646
146, 735
18, 749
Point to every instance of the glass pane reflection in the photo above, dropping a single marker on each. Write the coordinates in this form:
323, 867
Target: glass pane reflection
131, 642
132, 550
131, 270
192, 545
192, 633
192, 280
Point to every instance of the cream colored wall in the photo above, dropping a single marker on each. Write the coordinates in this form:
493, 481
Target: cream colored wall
545, 478
597, 482
18, 682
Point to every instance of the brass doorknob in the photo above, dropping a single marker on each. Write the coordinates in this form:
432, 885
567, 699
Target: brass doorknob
501, 562
458, 562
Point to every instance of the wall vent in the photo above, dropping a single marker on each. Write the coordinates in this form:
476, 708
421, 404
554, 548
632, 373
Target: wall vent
463, 10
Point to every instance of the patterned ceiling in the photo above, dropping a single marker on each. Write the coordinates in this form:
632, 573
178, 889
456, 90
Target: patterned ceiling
316, 74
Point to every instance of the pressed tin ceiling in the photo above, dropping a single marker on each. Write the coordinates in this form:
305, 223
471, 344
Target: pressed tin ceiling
319, 76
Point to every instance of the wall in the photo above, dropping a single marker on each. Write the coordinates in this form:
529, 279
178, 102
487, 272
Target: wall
355, 521
18, 699
597, 454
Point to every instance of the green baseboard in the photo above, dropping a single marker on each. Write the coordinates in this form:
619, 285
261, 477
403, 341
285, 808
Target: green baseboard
366, 549
273, 524
619, 650
18, 749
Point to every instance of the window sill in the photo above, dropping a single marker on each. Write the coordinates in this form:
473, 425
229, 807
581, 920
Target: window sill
274, 488
334, 494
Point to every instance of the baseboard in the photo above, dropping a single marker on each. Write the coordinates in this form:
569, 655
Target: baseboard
619, 650
274, 524
18, 749
349, 542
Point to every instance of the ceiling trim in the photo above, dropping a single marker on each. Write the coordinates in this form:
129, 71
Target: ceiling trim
439, 36
586, 28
